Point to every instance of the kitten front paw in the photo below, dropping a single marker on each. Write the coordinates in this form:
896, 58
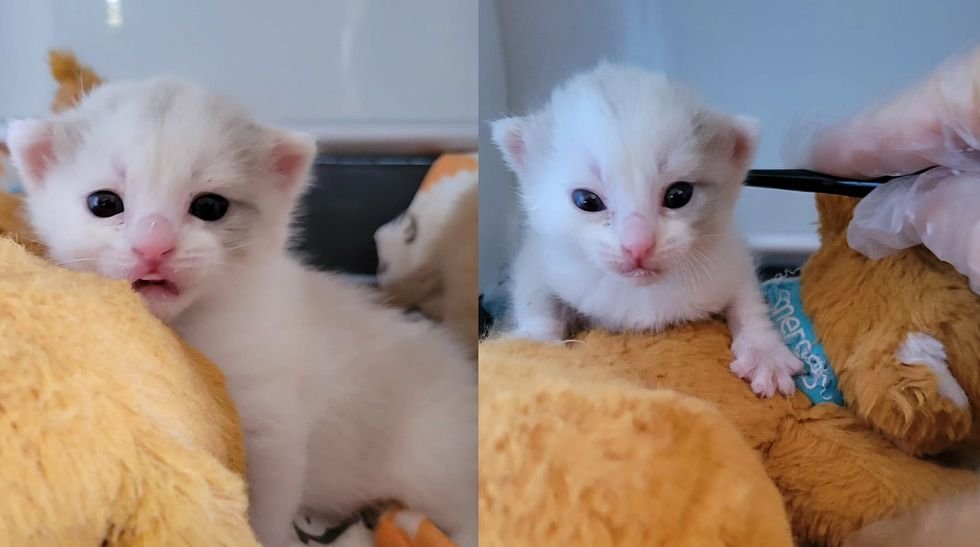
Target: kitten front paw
767, 367
539, 330
537, 335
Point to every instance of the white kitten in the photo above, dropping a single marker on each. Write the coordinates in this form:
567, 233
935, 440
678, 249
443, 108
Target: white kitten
343, 402
628, 184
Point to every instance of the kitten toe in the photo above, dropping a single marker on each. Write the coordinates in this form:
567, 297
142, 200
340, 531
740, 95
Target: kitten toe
768, 369
786, 385
743, 368
763, 385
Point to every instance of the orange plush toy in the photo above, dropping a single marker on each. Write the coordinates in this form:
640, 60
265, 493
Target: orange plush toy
74, 79
573, 442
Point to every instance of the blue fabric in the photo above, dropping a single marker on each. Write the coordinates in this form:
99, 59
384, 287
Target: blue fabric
818, 380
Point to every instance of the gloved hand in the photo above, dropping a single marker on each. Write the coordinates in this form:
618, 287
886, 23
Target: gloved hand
935, 123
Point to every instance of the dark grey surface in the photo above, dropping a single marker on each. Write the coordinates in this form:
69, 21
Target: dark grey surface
351, 197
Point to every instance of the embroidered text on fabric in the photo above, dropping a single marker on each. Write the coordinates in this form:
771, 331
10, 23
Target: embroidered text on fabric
817, 380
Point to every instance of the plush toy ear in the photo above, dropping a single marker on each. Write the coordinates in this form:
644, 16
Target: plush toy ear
509, 134
31, 144
290, 159
747, 131
834, 214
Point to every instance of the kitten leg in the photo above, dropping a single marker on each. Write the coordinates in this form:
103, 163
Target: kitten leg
761, 357
275, 448
534, 311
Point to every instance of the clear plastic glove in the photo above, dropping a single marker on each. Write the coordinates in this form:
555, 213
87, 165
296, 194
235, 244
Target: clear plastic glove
937, 122
939, 209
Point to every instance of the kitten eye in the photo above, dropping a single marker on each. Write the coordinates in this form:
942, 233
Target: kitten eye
105, 204
209, 207
587, 201
678, 194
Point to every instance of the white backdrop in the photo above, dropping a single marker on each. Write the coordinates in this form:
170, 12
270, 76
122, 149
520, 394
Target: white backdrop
349, 70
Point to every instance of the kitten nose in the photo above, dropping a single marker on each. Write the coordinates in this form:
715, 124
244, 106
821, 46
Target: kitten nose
154, 238
637, 239
639, 250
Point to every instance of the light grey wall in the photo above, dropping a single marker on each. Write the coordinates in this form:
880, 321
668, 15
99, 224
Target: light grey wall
498, 229
787, 63
339, 66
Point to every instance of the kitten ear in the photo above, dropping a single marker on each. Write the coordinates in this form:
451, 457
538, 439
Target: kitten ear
31, 144
289, 160
509, 136
747, 131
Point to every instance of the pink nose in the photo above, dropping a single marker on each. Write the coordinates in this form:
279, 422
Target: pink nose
639, 251
636, 238
154, 237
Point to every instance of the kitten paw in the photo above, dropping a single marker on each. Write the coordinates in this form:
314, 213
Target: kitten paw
537, 335
539, 330
767, 367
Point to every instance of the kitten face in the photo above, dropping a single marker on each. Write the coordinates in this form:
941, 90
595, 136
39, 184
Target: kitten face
160, 183
628, 170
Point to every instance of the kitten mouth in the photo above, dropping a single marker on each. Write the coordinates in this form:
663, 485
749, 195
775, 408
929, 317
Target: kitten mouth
640, 271
641, 275
156, 287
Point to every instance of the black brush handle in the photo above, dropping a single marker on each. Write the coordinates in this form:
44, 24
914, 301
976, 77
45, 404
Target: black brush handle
802, 180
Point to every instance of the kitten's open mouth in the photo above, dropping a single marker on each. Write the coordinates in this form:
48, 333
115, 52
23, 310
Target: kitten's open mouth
156, 287
642, 276
641, 272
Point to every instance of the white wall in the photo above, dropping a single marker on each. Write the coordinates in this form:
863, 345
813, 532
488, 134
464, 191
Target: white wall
783, 62
346, 69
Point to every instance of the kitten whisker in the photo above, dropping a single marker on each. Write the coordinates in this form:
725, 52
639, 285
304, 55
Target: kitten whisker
75, 261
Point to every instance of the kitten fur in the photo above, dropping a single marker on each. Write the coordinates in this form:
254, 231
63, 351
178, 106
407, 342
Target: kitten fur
627, 134
343, 402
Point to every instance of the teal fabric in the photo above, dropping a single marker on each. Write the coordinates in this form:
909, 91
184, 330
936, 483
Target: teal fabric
818, 380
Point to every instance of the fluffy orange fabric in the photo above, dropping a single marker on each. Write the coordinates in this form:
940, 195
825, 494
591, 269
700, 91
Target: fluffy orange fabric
863, 309
574, 450
111, 431
4, 154
74, 79
834, 467
14, 226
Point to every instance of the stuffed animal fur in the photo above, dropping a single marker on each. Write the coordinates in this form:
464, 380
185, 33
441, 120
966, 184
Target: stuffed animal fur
837, 468
428, 257
74, 79
458, 264
112, 432
4, 158
865, 311
580, 452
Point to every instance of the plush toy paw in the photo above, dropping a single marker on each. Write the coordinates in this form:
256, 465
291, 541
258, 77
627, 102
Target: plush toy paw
920, 349
769, 367
915, 401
